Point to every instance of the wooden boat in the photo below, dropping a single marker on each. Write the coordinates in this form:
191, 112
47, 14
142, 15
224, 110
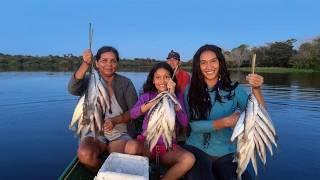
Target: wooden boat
76, 171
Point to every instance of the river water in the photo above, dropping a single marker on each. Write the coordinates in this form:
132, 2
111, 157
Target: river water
35, 108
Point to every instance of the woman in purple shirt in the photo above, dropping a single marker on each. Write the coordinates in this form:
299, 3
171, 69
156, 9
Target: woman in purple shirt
178, 160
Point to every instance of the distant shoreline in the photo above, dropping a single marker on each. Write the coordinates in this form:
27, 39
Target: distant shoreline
275, 70
146, 68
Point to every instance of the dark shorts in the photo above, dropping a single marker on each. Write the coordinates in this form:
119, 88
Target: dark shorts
207, 167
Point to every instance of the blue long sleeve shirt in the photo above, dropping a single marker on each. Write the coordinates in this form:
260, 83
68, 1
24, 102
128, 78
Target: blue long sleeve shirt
219, 142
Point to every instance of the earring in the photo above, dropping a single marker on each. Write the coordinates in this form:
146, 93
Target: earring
218, 88
219, 84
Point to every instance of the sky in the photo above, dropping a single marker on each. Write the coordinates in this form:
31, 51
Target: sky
151, 28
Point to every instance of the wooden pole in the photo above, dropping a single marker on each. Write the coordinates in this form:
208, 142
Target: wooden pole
253, 63
90, 36
174, 72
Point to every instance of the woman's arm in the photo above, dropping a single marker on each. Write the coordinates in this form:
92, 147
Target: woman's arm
140, 107
78, 82
109, 123
226, 122
204, 126
130, 94
182, 117
86, 62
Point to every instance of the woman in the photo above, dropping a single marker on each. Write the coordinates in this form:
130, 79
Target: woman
178, 160
122, 96
212, 101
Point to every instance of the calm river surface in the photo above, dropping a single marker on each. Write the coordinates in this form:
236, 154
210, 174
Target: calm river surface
35, 111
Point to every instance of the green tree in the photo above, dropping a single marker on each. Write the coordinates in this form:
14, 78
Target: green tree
308, 55
241, 55
261, 59
279, 53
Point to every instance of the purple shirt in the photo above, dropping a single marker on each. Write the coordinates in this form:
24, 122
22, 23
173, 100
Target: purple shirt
135, 112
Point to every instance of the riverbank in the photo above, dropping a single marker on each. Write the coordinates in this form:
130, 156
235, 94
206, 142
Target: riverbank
266, 70
146, 68
274, 70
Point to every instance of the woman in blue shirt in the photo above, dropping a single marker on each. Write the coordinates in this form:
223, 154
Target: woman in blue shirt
212, 102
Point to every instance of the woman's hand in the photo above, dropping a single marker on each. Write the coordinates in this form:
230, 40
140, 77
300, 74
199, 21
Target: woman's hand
255, 80
231, 121
87, 57
171, 86
146, 106
108, 125
86, 62
177, 107
226, 122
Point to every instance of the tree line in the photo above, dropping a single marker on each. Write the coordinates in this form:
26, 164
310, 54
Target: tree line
67, 62
276, 54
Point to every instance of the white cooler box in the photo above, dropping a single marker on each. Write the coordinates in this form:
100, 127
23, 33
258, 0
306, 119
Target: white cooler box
124, 167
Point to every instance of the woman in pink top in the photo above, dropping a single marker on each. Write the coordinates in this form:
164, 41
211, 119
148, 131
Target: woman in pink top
178, 160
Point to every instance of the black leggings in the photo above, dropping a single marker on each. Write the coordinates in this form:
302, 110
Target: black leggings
208, 168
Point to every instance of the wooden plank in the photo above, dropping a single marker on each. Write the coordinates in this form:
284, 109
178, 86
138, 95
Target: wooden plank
76, 171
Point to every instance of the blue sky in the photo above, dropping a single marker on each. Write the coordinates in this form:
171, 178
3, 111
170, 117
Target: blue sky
151, 28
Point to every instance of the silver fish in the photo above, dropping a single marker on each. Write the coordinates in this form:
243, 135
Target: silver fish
254, 131
162, 118
261, 148
90, 110
78, 112
238, 129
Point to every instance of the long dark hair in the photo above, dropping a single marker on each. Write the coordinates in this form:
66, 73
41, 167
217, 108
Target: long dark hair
198, 96
148, 86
